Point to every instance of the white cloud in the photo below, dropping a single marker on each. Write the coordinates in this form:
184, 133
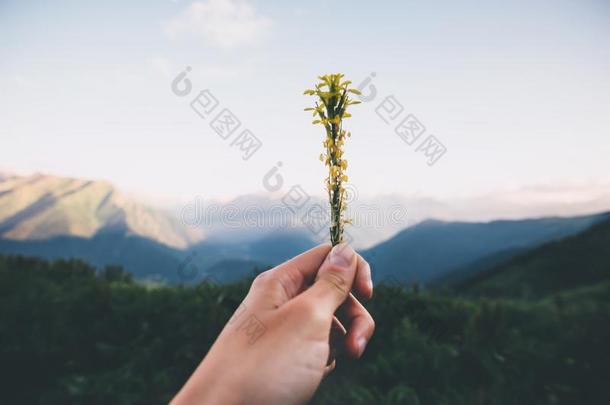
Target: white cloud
223, 23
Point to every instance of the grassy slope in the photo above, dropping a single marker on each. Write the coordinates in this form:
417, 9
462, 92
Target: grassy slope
576, 261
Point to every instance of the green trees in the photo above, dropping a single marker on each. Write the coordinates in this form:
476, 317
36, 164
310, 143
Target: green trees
72, 335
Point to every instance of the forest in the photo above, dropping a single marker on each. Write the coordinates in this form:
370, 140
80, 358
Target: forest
74, 334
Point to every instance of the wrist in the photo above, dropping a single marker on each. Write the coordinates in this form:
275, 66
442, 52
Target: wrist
212, 383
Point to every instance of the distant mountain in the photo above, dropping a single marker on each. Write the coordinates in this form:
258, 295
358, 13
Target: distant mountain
148, 259
231, 270
41, 207
54, 217
246, 217
278, 247
144, 258
241, 258
433, 249
577, 261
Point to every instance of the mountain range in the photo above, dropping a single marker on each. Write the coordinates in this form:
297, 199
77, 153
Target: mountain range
433, 250
56, 217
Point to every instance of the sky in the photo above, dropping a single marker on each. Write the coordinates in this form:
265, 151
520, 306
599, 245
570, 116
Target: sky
517, 93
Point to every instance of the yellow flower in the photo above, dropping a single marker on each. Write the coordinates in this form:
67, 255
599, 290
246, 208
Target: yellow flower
333, 100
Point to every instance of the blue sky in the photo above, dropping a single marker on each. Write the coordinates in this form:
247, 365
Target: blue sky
517, 92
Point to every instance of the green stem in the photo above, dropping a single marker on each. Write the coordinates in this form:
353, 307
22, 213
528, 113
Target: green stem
336, 228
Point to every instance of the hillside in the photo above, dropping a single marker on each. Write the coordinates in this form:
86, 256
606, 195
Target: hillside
41, 207
142, 257
576, 261
479, 266
434, 249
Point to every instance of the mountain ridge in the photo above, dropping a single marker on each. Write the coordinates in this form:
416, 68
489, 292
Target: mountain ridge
433, 249
41, 207
50, 216
576, 261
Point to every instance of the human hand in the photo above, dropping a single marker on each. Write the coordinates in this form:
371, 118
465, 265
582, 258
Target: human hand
275, 348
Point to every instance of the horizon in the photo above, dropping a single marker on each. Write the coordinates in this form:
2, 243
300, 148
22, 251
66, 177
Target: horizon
507, 204
249, 218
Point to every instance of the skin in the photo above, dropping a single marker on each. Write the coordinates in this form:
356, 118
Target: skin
276, 349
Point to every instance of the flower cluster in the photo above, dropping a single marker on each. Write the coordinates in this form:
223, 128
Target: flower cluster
331, 108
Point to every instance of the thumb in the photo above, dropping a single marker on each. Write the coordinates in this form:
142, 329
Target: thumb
334, 280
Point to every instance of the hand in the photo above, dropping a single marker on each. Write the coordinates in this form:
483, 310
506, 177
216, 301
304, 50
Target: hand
275, 348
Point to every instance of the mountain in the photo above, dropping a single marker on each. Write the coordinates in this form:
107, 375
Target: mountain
479, 266
576, 261
231, 270
240, 258
148, 259
377, 219
142, 257
246, 217
40, 207
278, 247
433, 249
54, 217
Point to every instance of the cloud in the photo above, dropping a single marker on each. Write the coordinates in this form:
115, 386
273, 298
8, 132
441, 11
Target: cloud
222, 23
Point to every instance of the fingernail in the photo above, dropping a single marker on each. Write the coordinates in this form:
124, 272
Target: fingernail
361, 345
342, 255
